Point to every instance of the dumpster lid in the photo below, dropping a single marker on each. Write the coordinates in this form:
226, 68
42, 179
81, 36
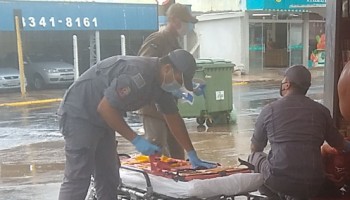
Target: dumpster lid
212, 61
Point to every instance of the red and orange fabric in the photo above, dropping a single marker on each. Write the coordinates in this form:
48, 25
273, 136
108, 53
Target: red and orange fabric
337, 165
180, 170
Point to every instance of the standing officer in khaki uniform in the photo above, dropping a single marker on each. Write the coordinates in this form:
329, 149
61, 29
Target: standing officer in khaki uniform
159, 44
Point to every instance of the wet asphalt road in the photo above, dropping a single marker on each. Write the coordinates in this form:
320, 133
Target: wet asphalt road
31, 147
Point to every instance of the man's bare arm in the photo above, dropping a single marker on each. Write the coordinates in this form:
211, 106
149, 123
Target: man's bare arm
344, 92
254, 148
115, 120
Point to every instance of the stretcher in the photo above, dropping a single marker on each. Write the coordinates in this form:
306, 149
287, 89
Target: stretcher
173, 179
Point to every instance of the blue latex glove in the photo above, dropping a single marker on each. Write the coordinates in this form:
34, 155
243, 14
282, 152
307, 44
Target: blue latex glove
197, 163
198, 89
144, 146
183, 95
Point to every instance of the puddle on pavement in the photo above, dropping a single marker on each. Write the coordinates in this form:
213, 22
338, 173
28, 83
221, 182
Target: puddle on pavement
24, 170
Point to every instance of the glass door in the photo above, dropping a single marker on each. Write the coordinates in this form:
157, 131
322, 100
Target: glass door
256, 47
295, 43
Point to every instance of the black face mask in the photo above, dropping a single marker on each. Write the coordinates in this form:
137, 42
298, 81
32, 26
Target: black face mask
281, 90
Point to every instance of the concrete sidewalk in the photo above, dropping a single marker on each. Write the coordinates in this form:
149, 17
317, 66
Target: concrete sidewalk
14, 98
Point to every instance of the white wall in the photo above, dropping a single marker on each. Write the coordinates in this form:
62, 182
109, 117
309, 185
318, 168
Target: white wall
212, 5
220, 36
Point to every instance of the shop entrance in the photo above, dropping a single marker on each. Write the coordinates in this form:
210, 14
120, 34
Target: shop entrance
274, 45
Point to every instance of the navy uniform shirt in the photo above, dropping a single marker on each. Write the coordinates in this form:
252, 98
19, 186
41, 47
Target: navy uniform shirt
296, 127
127, 82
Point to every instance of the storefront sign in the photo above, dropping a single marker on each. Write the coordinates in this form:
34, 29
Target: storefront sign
59, 16
276, 4
281, 4
308, 2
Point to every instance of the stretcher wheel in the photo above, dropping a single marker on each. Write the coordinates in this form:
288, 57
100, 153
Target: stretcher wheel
200, 120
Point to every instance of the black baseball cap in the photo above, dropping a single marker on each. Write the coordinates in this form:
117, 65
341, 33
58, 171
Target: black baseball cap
182, 12
299, 75
184, 62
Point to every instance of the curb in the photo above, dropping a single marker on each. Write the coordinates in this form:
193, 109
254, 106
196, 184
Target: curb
245, 82
35, 102
240, 83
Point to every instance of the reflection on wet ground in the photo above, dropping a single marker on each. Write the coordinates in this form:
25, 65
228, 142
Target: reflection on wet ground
26, 125
32, 149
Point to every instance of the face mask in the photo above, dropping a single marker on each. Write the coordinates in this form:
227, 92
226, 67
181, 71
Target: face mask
184, 29
282, 89
171, 87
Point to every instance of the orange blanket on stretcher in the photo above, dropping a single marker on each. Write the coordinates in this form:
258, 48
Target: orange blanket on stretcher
337, 165
179, 170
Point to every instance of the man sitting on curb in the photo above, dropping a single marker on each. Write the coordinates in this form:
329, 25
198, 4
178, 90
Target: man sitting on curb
296, 127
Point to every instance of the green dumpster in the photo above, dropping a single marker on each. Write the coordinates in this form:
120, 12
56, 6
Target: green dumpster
216, 104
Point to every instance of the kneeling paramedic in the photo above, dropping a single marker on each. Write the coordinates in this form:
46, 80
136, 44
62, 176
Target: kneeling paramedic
93, 109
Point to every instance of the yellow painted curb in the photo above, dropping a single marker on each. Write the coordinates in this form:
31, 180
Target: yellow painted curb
240, 83
25, 103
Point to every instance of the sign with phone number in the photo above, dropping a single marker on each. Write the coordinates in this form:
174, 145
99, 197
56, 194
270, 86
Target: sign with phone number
52, 16
51, 22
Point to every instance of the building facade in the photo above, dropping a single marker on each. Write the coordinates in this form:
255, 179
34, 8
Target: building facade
261, 34
252, 34
48, 28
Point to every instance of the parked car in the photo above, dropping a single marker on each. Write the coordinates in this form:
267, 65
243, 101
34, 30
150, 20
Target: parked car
43, 70
9, 78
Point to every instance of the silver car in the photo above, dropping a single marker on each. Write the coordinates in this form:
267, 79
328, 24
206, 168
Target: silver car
9, 78
42, 71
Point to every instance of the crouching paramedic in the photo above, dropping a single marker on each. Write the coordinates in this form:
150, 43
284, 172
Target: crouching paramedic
93, 109
296, 127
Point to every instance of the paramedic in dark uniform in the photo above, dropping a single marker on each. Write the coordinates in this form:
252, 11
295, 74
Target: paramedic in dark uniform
93, 108
296, 127
159, 44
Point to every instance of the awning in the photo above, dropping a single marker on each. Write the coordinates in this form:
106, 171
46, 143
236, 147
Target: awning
84, 16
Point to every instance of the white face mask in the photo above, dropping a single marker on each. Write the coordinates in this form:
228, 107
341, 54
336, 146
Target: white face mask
184, 29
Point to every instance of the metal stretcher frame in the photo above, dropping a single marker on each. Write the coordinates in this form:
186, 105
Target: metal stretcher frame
129, 193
